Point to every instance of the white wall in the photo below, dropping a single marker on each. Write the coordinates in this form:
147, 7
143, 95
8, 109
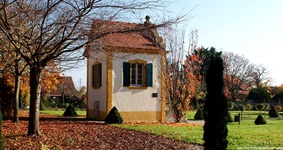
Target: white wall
97, 94
126, 99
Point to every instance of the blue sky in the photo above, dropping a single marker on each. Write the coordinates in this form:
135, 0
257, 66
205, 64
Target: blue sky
252, 28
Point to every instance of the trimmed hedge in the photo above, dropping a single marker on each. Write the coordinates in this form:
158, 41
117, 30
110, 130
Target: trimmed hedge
260, 120
230, 118
114, 116
70, 111
199, 114
273, 112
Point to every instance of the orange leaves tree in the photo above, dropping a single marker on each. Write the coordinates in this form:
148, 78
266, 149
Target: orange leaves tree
179, 77
197, 64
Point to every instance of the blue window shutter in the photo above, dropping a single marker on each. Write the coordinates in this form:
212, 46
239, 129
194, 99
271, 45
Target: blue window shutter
149, 74
126, 74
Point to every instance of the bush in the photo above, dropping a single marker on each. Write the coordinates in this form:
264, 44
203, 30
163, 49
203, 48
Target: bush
230, 105
42, 106
199, 114
249, 107
70, 111
278, 108
273, 112
215, 107
241, 107
260, 120
114, 116
229, 118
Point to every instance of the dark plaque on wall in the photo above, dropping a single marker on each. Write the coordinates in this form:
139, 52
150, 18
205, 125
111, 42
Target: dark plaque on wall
154, 95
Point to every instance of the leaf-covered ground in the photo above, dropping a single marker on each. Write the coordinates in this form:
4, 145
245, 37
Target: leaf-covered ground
78, 133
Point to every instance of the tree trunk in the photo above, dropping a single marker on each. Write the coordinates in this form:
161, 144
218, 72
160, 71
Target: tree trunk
35, 89
17, 99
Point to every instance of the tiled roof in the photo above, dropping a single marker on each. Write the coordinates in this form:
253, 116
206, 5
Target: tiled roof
132, 36
128, 40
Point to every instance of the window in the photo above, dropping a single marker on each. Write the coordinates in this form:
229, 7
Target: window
137, 76
137, 73
96, 75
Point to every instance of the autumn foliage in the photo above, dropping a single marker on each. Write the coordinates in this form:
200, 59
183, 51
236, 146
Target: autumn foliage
79, 133
180, 86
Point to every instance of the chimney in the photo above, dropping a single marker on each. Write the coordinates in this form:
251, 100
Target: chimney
147, 22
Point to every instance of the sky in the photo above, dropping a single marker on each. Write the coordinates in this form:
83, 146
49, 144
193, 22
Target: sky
250, 28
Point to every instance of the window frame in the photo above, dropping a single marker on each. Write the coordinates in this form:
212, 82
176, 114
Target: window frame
147, 74
143, 65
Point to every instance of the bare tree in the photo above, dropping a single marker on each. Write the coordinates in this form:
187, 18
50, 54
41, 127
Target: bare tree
58, 30
260, 76
238, 76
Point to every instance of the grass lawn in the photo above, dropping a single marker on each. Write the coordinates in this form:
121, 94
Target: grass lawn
60, 112
247, 135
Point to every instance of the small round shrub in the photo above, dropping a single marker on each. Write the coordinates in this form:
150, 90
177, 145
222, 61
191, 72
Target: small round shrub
199, 114
230, 118
260, 120
241, 107
249, 106
70, 111
42, 106
273, 112
278, 108
230, 105
114, 116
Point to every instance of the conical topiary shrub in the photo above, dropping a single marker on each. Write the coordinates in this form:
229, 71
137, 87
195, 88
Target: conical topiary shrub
230, 118
273, 112
114, 116
42, 106
260, 120
199, 114
70, 111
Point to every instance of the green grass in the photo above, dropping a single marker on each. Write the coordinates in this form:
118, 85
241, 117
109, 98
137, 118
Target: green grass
247, 135
59, 112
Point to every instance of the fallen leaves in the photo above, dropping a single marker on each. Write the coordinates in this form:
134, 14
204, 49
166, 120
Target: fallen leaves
60, 134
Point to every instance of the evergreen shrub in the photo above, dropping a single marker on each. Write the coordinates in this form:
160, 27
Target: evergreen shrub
42, 106
114, 116
215, 106
241, 107
230, 118
273, 112
260, 120
199, 114
70, 111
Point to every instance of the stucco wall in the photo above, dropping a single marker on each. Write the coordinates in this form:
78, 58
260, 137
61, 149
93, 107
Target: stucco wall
128, 100
97, 94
